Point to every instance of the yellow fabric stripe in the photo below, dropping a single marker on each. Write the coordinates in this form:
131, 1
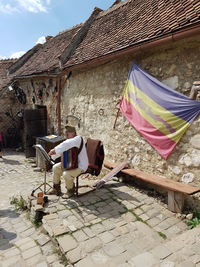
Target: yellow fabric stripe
162, 119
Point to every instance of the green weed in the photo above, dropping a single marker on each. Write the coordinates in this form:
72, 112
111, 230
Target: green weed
194, 221
162, 235
19, 203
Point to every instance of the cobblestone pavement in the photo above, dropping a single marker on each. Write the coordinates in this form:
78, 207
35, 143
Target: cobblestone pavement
114, 226
21, 244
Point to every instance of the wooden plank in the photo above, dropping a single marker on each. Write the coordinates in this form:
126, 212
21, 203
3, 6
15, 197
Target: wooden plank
157, 180
108, 176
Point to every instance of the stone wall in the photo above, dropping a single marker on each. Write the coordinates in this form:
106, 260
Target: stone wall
43, 91
8, 104
93, 95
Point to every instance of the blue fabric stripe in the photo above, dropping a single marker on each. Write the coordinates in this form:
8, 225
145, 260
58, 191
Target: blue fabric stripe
175, 102
64, 159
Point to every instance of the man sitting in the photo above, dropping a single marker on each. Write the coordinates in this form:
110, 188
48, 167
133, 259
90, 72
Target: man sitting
60, 169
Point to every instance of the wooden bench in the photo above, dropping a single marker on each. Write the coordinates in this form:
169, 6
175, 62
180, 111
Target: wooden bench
176, 190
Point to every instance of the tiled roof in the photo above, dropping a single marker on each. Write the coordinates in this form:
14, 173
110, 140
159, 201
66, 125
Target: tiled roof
126, 24
46, 58
133, 22
4, 66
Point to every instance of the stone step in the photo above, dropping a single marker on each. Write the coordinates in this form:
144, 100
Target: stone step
180, 251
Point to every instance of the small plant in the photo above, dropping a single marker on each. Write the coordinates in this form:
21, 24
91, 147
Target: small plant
194, 221
162, 235
62, 257
19, 203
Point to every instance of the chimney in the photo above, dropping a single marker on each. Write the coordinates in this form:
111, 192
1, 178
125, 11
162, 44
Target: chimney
48, 37
116, 2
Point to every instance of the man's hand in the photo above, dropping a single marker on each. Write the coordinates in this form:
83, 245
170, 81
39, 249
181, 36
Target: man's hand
52, 152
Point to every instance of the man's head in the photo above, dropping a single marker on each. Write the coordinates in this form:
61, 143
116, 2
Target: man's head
70, 131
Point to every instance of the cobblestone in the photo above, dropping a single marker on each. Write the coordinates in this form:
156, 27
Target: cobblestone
17, 234
66, 243
104, 228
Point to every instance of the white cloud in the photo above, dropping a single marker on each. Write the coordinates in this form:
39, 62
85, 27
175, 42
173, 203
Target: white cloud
41, 40
17, 54
2, 57
34, 6
8, 9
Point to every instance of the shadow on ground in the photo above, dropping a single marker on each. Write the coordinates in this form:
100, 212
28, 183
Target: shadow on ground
10, 161
5, 238
9, 213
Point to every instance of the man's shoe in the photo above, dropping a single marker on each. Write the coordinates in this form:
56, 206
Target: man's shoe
56, 190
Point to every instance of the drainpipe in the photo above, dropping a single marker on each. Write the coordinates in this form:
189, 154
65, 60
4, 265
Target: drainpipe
59, 86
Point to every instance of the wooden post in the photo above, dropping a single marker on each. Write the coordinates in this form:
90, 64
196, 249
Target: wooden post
117, 115
175, 201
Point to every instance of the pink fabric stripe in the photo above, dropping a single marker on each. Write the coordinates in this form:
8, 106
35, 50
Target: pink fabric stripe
158, 140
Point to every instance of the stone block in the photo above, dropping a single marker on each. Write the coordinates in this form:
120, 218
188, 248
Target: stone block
144, 259
28, 232
66, 243
43, 239
72, 227
172, 82
108, 224
34, 260
11, 261
80, 236
106, 237
88, 232
161, 252
75, 255
195, 141
48, 229
86, 262
167, 264
49, 217
28, 245
52, 258
23, 241
91, 244
57, 264
99, 258
31, 252
113, 249
59, 230
12, 252
98, 228
64, 213
42, 264
186, 264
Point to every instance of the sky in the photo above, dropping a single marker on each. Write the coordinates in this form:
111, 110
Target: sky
23, 23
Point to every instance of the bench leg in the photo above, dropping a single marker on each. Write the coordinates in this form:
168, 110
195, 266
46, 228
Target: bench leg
175, 201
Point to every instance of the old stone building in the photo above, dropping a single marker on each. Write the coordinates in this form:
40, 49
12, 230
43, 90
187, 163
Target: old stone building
82, 72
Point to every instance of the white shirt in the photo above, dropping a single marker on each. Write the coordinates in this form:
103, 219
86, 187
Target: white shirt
73, 142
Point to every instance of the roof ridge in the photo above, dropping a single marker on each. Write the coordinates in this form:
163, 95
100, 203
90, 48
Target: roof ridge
7, 60
22, 60
69, 29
